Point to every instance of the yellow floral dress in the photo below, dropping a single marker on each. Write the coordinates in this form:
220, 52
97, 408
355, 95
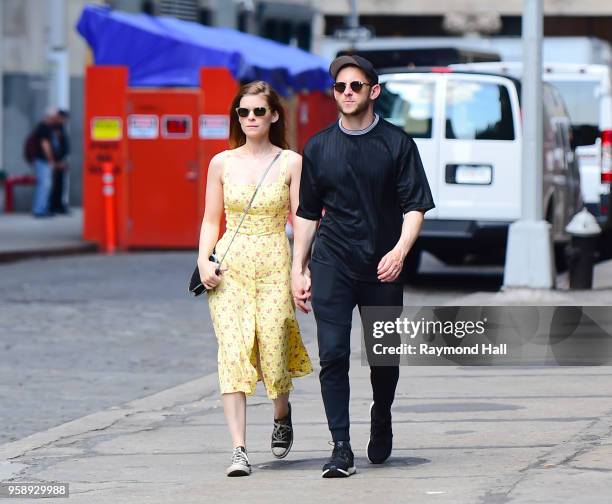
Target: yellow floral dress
252, 309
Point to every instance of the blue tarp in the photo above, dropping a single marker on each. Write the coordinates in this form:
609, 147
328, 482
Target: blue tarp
164, 51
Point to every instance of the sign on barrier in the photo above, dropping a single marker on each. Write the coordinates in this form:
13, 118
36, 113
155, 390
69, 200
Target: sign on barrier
106, 129
143, 127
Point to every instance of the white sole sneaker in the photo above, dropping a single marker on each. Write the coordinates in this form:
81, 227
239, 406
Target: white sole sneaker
281, 453
338, 473
238, 470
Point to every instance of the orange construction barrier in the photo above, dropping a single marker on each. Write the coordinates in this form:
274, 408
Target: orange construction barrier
159, 143
108, 193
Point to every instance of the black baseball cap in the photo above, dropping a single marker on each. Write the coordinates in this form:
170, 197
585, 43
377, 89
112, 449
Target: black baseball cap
353, 60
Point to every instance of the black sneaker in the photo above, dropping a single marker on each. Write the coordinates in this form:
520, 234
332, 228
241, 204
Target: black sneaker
381, 436
282, 436
342, 462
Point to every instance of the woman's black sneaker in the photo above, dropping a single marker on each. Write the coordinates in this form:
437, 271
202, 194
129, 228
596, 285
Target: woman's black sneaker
282, 436
342, 462
381, 436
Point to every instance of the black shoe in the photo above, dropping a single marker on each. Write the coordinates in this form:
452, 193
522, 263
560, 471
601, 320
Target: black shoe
342, 462
282, 436
381, 436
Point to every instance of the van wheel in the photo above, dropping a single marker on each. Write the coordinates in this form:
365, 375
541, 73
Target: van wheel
560, 257
412, 263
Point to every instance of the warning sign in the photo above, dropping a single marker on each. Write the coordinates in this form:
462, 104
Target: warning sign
106, 129
142, 126
214, 126
176, 126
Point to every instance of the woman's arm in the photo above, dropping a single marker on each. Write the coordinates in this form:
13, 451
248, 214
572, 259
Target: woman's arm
303, 234
209, 231
295, 172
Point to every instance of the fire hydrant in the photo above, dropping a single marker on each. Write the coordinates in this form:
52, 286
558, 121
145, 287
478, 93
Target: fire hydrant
582, 252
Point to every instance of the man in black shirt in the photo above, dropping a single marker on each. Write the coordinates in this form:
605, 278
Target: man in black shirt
44, 162
366, 174
61, 149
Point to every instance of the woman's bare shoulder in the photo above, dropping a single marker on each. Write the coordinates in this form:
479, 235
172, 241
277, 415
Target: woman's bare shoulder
293, 157
217, 162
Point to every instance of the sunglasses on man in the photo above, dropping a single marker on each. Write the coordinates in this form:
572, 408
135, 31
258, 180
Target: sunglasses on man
356, 86
258, 111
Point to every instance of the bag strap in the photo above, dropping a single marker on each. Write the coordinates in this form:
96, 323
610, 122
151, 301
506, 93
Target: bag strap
247, 208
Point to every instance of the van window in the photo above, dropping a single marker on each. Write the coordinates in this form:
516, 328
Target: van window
409, 105
478, 111
580, 100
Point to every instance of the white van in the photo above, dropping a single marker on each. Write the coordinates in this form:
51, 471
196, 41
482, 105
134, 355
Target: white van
587, 93
467, 127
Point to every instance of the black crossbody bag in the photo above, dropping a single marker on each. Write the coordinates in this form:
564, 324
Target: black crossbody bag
195, 284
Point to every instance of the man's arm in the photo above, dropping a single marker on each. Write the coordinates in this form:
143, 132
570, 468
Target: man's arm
47, 150
415, 199
304, 228
303, 235
390, 266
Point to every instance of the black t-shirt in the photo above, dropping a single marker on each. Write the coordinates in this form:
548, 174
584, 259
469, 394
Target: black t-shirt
365, 182
42, 132
61, 145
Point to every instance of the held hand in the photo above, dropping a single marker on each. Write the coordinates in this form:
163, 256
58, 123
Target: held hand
390, 266
208, 274
300, 288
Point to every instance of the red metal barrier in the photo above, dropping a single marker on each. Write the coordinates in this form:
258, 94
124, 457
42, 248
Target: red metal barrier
9, 189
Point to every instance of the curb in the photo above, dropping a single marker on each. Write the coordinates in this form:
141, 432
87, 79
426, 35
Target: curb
20, 255
188, 392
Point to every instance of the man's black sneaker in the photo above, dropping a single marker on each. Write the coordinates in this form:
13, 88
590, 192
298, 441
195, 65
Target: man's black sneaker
282, 436
342, 462
381, 436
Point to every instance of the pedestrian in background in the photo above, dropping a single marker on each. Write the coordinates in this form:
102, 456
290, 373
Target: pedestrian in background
58, 200
367, 174
44, 163
250, 300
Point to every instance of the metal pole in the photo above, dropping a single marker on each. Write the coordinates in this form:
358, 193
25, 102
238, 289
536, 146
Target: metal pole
226, 14
352, 21
353, 17
532, 106
57, 58
529, 253
1, 84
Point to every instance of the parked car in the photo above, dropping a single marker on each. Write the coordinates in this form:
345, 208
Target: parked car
467, 126
587, 94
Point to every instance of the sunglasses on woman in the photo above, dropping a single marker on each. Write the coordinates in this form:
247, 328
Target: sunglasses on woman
356, 86
258, 111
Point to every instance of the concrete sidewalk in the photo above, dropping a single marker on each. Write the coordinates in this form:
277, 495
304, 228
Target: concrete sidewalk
23, 236
462, 435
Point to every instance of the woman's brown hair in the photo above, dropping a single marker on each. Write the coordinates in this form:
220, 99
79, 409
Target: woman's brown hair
278, 129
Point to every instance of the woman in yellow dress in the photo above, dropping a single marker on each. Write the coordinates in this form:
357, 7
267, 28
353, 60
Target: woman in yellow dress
250, 301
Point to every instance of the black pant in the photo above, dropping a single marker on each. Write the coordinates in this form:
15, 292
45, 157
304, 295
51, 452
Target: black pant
334, 295
56, 203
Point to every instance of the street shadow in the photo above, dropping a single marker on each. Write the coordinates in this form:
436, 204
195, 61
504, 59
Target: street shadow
362, 463
459, 281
